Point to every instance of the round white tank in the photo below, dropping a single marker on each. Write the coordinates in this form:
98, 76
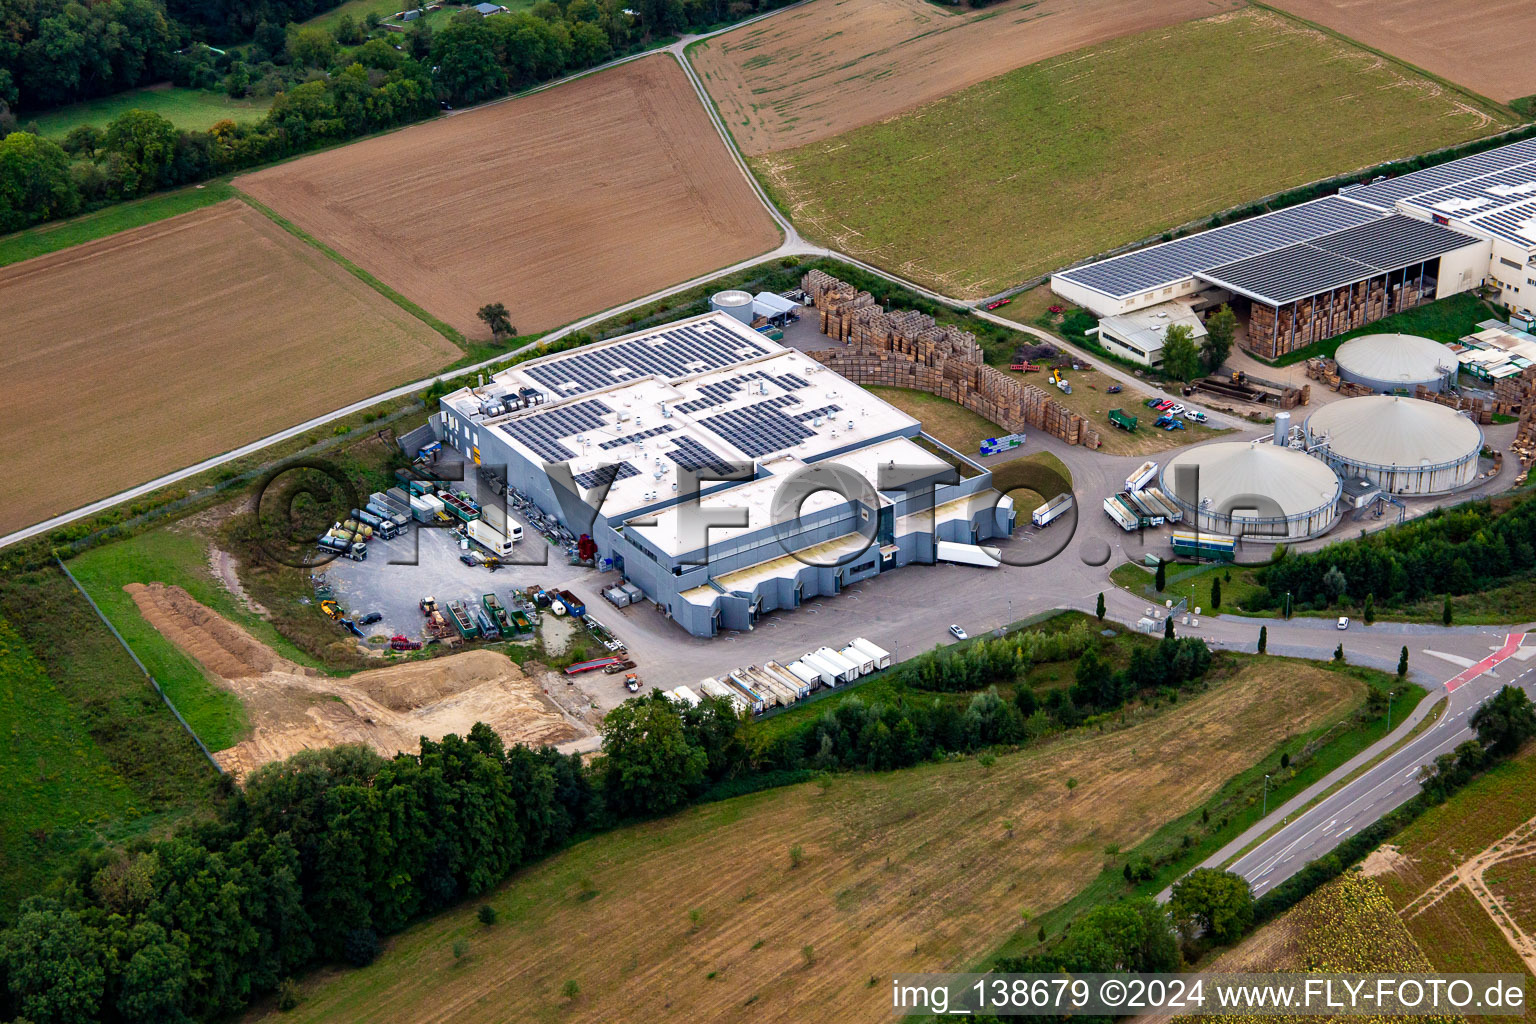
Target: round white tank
1386, 363
733, 303
1403, 445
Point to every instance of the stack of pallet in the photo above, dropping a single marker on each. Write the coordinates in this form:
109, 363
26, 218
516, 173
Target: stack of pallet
1273, 332
1480, 408
1511, 394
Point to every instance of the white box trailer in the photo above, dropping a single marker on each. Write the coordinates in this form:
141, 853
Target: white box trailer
857, 658
881, 655
800, 670
774, 670
1052, 510
755, 701
685, 695
851, 669
968, 554
1144, 474
832, 673
825, 674
488, 537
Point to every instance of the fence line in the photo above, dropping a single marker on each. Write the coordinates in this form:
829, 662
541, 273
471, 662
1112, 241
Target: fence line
147, 674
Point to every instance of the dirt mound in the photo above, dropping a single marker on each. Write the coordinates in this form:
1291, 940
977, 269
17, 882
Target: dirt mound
222, 647
294, 708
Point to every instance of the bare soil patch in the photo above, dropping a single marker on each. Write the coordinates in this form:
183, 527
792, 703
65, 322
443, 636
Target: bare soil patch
295, 708
923, 869
1483, 45
152, 349
816, 71
558, 204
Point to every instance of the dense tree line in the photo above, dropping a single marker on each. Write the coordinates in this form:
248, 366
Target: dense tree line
1451, 551
322, 855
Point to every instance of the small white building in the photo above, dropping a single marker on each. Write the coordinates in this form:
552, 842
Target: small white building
1139, 334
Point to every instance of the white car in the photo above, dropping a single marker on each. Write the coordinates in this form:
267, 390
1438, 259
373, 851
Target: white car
958, 633
1177, 410
1343, 621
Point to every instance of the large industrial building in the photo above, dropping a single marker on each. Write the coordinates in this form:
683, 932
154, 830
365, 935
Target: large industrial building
1312, 271
1254, 490
1402, 445
607, 439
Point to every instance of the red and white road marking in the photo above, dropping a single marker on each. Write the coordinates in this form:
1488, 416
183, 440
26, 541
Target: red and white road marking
1511, 645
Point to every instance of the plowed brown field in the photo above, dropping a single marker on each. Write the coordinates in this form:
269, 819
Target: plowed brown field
558, 204
1484, 45
138, 354
817, 71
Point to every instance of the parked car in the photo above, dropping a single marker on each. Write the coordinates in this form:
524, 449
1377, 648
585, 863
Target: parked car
1343, 621
469, 560
1177, 410
958, 633
370, 618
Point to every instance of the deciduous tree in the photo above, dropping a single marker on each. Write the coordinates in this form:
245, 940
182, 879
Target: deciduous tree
1218, 903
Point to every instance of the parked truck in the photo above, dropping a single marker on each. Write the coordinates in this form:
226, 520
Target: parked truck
384, 528
967, 554
353, 549
1122, 419
425, 508
1204, 545
1052, 510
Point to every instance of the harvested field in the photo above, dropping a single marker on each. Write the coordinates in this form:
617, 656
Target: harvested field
1483, 45
817, 71
155, 348
294, 708
1072, 156
558, 204
921, 869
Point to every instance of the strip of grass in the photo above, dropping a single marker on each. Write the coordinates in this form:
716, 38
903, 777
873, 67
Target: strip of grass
1231, 810
178, 558
1190, 581
362, 275
90, 753
188, 109
46, 238
1446, 321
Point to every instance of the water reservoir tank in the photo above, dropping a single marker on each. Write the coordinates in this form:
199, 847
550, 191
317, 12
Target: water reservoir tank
735, 303
1282, 427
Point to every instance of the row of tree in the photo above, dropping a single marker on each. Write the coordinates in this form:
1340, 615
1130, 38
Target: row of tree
1449, 551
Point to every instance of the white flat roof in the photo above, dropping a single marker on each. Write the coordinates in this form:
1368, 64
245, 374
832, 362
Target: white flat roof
668, 531
1147, 328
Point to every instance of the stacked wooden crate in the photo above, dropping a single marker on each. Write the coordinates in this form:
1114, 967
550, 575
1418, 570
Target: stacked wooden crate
1480, 408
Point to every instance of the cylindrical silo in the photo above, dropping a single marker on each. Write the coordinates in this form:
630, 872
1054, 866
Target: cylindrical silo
1403, 445
1395, 362
733, 303
1254, 490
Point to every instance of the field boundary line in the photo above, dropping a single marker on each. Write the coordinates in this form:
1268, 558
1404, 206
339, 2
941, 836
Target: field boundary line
147, 673
356, 271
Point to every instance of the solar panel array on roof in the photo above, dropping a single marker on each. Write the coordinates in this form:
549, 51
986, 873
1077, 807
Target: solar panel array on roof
643, 435
673, 353
720, 392
542, 432
1335, 260
1159, 265
605, 475
1515, 223
1385, 194
690, 454
761, 429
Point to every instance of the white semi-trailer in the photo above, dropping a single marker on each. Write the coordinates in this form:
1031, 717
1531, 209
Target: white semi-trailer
1052, 510
881, 655
968, 554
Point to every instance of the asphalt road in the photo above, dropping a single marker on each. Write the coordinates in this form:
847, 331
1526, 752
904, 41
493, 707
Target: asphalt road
1312, 833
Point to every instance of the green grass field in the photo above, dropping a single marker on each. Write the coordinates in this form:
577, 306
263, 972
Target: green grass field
179, 558
1072, 156
46, 238
360, 9
90, 753
1189, 581
192, 109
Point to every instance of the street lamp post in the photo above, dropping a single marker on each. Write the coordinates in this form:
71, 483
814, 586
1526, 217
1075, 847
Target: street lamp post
1266, 797
1389, 711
